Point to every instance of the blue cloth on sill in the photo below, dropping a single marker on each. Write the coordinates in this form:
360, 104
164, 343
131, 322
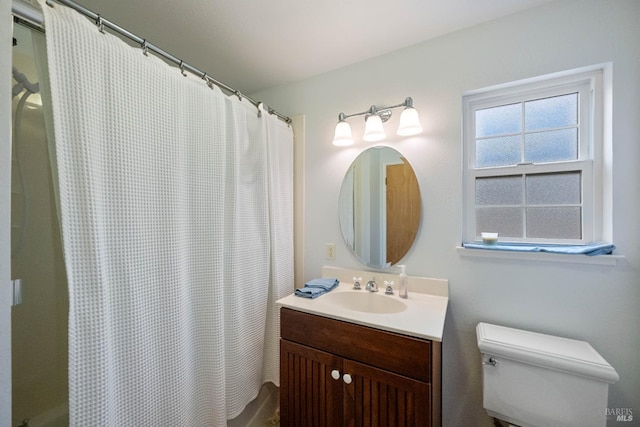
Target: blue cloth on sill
316, 287
591, 249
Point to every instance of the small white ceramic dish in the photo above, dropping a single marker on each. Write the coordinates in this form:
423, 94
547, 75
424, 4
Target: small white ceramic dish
489, 238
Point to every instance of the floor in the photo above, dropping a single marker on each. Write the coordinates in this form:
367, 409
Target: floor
273, 421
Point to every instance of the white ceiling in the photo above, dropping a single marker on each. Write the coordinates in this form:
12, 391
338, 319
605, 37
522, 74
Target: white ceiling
255, 44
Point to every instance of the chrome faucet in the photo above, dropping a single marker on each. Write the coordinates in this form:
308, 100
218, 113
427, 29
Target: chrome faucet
372, 286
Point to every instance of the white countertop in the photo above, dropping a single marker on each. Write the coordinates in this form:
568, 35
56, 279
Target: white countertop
423, 318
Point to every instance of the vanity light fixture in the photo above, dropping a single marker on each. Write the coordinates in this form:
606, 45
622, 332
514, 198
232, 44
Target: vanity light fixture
342, 137
373, 130
374, 118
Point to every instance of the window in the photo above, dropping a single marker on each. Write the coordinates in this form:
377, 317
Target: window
533, 160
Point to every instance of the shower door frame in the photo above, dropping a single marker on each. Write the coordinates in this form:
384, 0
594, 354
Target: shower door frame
6, 297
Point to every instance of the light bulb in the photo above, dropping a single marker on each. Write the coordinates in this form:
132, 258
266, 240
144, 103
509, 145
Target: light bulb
373, 130
409, 122
342, 137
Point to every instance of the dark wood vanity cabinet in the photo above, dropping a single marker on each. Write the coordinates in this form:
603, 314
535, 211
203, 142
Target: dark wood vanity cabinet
335, 373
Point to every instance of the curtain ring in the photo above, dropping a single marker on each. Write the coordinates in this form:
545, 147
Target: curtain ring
144, 47
206, 78
100, 24
238, 94
182, 68
259, 107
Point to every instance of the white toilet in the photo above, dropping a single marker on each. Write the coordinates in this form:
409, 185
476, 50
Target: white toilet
537, 380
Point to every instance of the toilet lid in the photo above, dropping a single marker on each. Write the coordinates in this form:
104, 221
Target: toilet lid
549, 351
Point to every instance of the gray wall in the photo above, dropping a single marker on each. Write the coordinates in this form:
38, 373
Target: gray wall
5, 212
595, 303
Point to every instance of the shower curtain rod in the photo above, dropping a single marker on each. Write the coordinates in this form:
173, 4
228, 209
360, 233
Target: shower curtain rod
32, 14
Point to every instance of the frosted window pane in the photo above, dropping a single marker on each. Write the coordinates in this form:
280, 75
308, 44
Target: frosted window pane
505, 221
501, 151
499, 191
551, 146
553, 188
547, 113
499, 120
554, 223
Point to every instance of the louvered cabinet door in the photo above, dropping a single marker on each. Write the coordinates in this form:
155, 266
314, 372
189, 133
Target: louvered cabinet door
374, 397
309, 394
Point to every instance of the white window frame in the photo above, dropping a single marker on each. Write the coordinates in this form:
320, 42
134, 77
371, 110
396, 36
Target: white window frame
594, 156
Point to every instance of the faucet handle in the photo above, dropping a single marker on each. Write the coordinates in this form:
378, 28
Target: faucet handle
389, 285
356, 283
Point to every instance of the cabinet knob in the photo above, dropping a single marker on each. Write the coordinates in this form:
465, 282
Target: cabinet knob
335, 374
346, 378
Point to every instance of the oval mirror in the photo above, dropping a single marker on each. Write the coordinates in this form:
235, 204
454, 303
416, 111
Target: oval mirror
380, 207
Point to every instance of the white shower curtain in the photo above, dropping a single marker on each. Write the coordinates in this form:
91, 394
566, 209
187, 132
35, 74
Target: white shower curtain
177, 222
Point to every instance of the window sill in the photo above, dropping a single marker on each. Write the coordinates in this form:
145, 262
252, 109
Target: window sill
610, 260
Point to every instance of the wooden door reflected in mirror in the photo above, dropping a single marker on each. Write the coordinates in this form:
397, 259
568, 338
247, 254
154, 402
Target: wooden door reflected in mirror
403, 210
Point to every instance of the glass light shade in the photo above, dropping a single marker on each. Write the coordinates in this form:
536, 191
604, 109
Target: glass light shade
342, 137
409, 122
373, 130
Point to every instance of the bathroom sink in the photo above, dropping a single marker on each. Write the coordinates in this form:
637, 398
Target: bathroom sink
366, 302
421, 315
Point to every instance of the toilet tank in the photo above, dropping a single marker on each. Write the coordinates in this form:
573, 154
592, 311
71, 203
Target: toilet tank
533, 379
